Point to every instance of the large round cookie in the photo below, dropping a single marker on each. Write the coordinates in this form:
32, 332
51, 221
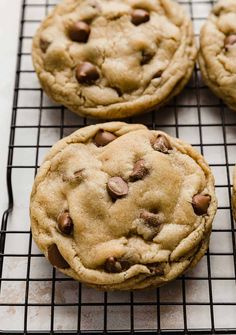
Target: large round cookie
217, 57
119, 206
113, 59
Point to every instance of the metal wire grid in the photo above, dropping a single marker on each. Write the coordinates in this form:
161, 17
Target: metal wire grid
37, 299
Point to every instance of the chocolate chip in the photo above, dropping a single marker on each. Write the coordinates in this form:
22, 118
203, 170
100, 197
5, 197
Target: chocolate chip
117, 187
125, 264
44, 45
55, 257
139, 16
139, 170
150, 218
65, 223
75, 177
79, 32
157, 74
114, 265
86, 73
230, 40
146, 57
201, 203
162, 144
103, 137
156, 268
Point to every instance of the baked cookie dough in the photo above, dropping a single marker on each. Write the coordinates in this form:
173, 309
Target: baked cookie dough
118, 206
217, 57
114, 59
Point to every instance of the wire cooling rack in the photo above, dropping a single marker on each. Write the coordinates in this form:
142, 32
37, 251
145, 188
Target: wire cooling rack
37, 299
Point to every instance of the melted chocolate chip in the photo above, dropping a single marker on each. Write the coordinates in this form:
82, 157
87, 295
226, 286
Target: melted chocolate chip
44, 45
79, 32
86, 73
162, 144
114, 265
55, 257
139, 16
76, 177
139, 170
65, 223
125, 264
117, 187
150, 218
200, 203
103, 137
156, 268
146, 57
230, 40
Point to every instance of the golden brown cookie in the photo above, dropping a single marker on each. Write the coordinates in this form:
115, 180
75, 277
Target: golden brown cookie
217, 56
114, 59
118, 206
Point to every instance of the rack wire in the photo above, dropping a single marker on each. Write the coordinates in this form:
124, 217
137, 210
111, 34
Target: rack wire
35, 298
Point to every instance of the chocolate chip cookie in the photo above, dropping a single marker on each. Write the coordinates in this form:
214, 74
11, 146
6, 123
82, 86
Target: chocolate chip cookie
118, 206
116, 58
218, 51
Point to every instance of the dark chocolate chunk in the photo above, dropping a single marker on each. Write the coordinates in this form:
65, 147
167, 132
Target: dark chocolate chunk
201, 203
55, 257
139, 170
161, 144
86, 73
139, 16
103, 137
79, 32
117, 187
65, 223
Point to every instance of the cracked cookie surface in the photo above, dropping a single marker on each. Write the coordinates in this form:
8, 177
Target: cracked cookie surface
113, 59
218, 51
118, 206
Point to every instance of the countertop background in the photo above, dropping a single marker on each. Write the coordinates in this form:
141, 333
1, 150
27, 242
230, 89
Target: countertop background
9, 27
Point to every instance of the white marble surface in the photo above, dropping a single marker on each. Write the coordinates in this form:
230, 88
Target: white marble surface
9, 26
